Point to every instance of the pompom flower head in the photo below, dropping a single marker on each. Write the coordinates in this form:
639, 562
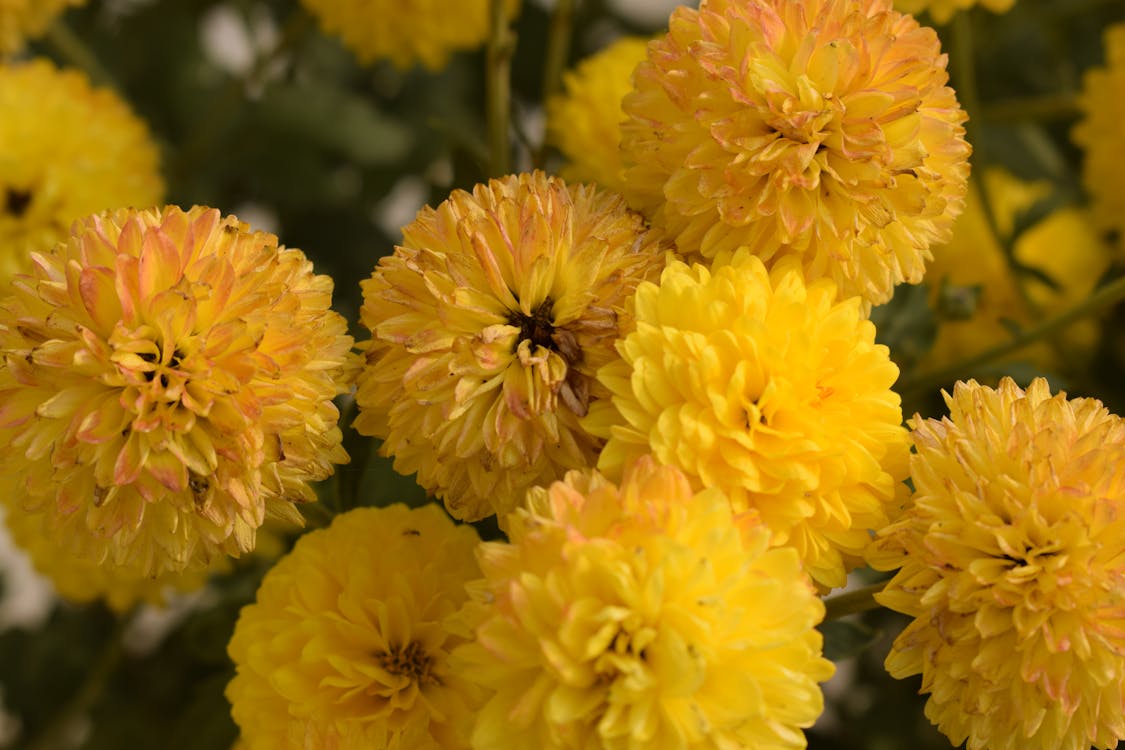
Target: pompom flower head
773, 391
66, 150
21, 20
642, 616
1100, 134
487, 326
584, 120
167, 383
422, 32
1012, 566
347, 645
815, 129
943, 10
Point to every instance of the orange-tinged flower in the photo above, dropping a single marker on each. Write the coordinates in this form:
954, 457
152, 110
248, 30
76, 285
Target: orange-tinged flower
67, 150
167, 383
943, 10
642, 616
1012, 566
772, 390
1100, 134
584, 120
422, 32
21, 20
347, 646
488, 325
816, 129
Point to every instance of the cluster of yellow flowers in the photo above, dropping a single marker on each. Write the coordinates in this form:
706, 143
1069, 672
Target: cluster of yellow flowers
663, 383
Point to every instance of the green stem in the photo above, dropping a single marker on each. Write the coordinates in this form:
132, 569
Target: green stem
1046, 107
852, 602
925, 382
558, 52
72, 50
498, 88
89, 691
219, 112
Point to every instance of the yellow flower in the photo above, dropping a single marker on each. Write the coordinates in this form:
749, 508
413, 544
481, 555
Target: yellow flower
167, 383
488, 325
347, 646
422, 32
21, 20
1100, 134
584, 121
68, 150
772, 390
1063, 245
816, 129
942, 10
80, 580
1012, 566
644, 616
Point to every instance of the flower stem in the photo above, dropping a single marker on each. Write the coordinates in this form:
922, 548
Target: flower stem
1104, 297
852, 602
558, 52
498, 88
89, 691
71, 49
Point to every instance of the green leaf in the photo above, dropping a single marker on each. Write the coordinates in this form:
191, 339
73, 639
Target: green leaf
844, 639
906, 324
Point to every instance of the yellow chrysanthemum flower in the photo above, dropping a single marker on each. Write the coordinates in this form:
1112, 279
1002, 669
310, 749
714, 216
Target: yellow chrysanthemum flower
167, 383
21, 20
1063, 245
584, 121
67, 150
816, 129
347, 646
1101, 135
1012, 566
644, 616
943, 10
488, 325
772, 390
422, 32
79, 580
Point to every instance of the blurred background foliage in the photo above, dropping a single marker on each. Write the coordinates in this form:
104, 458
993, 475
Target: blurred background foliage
261, 115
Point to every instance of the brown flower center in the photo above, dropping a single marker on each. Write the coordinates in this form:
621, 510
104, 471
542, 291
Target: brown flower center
16, 201
410, 661
538, 327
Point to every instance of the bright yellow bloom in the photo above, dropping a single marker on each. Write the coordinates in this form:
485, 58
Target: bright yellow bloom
80, 580
584, 121
422, 32
1063, 245
816, 129
167, 383
66, 150
645, 616
1012, 567
772, 390
942, 10
347, 646
488, 325
21, 20
1101, 135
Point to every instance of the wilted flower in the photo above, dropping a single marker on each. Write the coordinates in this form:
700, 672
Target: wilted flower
1100, 134
347, 645
419, 31
66, 150
1012, 566
942, 10
167, 383
21, 20
584, 121
772, 390
645, 616
1062, 245
488, 325
815, 129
